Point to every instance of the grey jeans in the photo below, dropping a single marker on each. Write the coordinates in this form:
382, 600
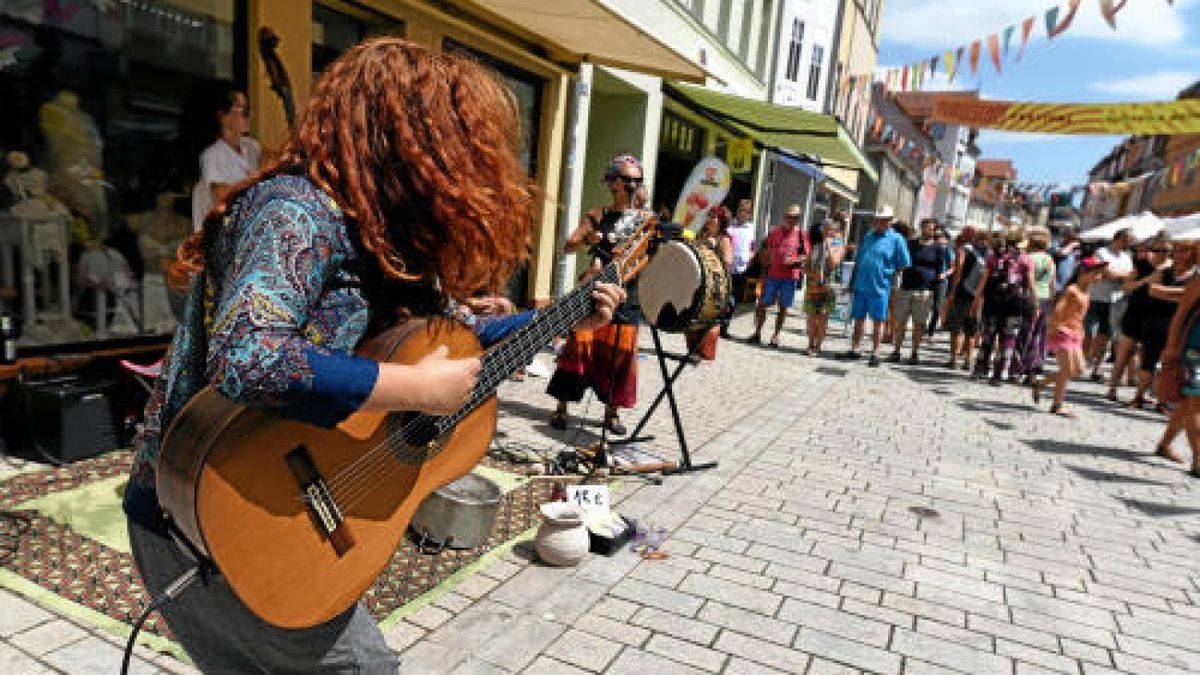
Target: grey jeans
223, 636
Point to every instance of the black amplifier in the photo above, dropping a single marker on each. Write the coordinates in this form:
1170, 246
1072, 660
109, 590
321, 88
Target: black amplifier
65, 419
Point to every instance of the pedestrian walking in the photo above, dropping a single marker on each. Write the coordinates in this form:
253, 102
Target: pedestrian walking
1065, 333
915, 297
1152, 306
1031, 342
1179, 381
959, 316
942, 287
1148, 267
1008, 295
741, 237
784, 251
1108, 301
820, 298
881, 254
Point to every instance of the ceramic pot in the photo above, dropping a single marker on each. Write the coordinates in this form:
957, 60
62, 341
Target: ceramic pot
562, 540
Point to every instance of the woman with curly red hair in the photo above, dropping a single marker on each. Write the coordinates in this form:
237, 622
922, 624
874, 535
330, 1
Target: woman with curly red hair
398, 193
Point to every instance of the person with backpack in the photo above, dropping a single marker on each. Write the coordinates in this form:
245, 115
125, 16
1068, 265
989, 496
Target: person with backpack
965, 279
1008, 296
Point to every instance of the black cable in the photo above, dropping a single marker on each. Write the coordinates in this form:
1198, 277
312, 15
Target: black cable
172, 591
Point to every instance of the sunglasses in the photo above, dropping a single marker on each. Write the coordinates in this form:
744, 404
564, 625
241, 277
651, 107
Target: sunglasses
1160, 250
631, 182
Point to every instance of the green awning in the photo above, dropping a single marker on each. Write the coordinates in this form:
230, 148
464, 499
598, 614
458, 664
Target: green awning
775, 126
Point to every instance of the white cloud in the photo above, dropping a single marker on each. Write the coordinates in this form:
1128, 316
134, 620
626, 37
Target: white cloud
948, 23
1161, 86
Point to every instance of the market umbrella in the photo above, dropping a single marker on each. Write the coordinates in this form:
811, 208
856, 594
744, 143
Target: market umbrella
1184, 227
1142, 226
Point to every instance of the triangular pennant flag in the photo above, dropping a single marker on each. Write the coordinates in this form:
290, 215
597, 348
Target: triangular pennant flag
1109, 9
1054, 27
950, 63
993, 44
920, 68
1026, 29
904, 79
933, 64
958, 57
975, 46
1008, 33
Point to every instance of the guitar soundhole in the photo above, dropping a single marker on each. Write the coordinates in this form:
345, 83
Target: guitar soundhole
415, 437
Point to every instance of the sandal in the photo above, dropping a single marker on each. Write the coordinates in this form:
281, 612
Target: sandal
558, 421
1036, 387
1058, 410
1111, 395
1167, 453
613, 423
755, 339
774, 343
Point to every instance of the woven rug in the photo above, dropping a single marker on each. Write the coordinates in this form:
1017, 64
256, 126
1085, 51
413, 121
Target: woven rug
63, 544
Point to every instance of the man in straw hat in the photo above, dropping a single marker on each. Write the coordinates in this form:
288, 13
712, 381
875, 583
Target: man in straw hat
783, 254
881, 254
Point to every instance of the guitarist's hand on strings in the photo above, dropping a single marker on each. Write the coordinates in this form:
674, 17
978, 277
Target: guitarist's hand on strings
606, 297
436, 384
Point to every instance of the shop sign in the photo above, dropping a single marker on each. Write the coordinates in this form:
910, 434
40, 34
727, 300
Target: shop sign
739, 154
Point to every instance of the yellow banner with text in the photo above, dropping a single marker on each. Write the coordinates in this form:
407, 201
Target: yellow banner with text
1170, 117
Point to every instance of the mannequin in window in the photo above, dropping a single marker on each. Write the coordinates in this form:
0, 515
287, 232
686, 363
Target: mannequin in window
160, 231
230, 158
27, 184
75, 153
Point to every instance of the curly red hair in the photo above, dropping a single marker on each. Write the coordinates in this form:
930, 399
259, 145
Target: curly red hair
418, 149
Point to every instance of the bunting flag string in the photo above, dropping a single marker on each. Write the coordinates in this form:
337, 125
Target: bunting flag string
1057, 20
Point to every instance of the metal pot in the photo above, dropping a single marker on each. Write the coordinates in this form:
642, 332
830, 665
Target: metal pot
460, 514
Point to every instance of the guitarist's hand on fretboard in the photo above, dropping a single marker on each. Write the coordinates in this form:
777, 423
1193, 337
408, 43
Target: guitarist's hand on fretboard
606, 297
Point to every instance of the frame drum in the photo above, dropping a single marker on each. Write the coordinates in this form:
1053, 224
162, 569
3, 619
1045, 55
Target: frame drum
683, 285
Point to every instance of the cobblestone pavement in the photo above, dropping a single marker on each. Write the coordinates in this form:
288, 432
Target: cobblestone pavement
895, 520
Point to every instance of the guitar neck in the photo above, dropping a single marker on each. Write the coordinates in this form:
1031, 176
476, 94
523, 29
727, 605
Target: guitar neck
516, 351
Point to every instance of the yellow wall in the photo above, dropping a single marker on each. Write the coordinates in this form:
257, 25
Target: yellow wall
424, 24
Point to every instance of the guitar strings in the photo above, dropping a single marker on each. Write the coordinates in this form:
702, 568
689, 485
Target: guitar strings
354, 482
360, 477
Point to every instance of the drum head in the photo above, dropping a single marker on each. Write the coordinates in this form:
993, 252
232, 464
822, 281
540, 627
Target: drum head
667, 286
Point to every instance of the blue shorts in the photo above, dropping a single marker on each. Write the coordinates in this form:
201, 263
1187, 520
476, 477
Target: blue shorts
783, 290
875, 306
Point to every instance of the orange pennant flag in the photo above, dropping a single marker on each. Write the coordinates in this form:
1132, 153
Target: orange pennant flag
1026, 29
1054, 28
993, 44
975, 46
1109, 9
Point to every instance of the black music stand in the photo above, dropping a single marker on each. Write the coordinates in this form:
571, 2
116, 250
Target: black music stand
668, 392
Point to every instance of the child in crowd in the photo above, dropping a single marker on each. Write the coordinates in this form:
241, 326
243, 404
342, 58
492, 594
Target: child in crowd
1065, 333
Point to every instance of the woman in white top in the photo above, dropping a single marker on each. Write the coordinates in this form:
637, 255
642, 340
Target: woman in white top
232, 156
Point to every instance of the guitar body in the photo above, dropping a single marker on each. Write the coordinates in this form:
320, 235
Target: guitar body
230, 476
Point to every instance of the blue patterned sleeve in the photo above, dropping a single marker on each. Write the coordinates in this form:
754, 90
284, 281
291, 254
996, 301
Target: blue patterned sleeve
262, 350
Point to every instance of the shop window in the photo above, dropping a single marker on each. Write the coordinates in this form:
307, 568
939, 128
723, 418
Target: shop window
795, 51
339, 26
814, 72
99, 107
680, 146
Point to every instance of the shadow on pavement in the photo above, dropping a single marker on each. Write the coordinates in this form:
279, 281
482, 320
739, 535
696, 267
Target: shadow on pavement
1159, 510
579, 431
1112, 477
1068, 448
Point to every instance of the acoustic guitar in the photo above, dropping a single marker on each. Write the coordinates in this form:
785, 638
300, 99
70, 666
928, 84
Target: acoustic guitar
301, 520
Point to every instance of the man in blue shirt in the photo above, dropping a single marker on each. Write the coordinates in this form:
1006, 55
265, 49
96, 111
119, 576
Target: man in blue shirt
881, 254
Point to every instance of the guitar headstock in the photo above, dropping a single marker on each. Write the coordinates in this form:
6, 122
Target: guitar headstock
631, 255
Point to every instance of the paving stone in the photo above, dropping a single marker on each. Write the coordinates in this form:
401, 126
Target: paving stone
13, 660
849, 652
615, 608
520, 643
945, 653
1035, 638
657, 596
1030, 655
636, 662
836, 622
430, 617
686, 652
47, 637
476, 586
922, 608
760, 626
584, 650
93, 655
674, 625
610, 629
740, 666
403, 635
963, 636
18, 614
759, 651
731, 593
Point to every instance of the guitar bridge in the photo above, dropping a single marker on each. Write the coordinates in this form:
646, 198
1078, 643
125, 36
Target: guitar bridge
321, 505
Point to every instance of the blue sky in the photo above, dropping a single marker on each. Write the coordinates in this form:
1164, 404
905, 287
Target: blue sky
1154, 52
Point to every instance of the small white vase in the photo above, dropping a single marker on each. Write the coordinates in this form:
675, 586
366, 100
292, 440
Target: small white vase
562, 540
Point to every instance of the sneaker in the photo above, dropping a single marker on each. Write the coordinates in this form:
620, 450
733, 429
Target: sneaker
850, 355
873, 362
